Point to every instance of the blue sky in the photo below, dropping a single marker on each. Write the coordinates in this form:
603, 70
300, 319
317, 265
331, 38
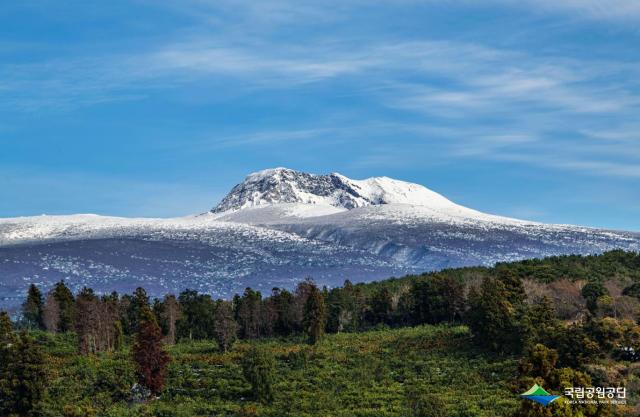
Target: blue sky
527, 108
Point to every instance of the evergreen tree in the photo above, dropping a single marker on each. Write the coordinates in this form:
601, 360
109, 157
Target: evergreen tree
6, 329
539, 362
23, 376
381, 307
197, 314
342, 309
138, 303
493, 319
7, 340
513, 287
32, 309
591, 292
607, 332
575, 347
315, 315
437, 299
150, 357
248, 314
541, 324
632, 290
225, 327
259, 368
118, 335
284, 306
539, 366
67, 307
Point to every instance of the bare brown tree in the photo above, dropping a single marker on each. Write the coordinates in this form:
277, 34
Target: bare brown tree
567, 299
170, 315
301, 295
96, 323
225, 326
535, 291
51, 314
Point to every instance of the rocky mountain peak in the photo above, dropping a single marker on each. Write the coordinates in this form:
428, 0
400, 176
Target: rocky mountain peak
283, 185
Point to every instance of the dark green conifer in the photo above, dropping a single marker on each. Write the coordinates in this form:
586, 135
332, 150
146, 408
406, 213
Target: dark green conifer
494, 321
67, 307
23, 376
259, 368
315, 315
32, 309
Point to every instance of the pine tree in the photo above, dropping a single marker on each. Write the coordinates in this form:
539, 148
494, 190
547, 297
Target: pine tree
139, 302
437, 299
315, 315
283, 304
66, 303
258, 366
381, 306
494, 321
197, 313
7, 339
513, 287
225, 327
148, 354
23, 376
541, 324
32, 309
248, 314
6, 329
591, 292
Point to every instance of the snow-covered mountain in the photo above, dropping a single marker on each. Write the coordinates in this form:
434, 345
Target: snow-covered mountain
276, 227
282, 185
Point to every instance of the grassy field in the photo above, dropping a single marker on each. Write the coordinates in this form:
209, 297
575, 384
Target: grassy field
360, 374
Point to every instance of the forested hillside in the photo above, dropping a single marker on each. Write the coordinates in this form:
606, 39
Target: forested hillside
459, 342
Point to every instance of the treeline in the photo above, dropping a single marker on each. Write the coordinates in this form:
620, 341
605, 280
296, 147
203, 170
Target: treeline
103, 322
606, 285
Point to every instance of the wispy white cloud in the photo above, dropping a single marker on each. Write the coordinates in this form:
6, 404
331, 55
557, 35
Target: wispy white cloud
612, 10
285, 11
483, 101
260, 65
598, 168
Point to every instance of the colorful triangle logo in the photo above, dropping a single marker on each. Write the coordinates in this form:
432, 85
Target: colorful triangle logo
540, 395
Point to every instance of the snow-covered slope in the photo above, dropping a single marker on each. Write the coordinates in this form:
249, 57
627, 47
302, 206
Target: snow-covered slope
168, 255
276, 227
404, 223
